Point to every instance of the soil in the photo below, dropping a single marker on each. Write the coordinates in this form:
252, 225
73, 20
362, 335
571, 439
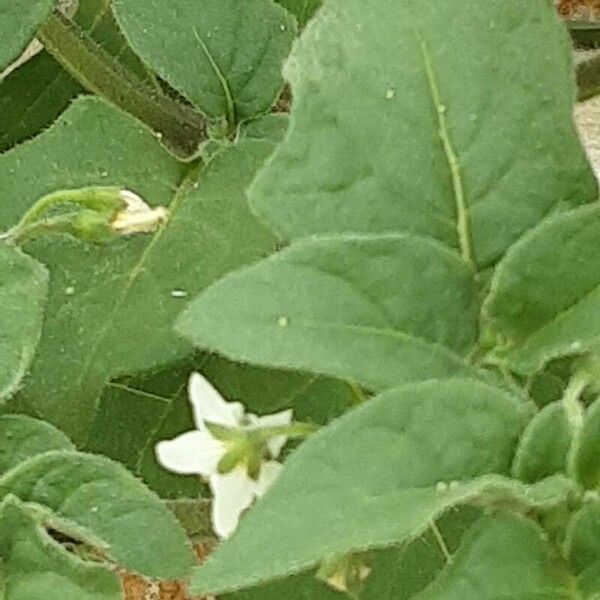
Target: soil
584, 10
137, 588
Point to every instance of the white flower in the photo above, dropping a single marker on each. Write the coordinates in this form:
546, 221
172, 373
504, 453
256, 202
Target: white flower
200, 452
137, 216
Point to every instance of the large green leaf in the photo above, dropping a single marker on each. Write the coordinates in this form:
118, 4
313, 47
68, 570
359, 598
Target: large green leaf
233, 50
98, 501
543, 450
22, 437
379, 310
534, 318
104, 300
18, 24
587, 456
23, 289
582, 547
503, 556
425, 435
34, 567
406, 118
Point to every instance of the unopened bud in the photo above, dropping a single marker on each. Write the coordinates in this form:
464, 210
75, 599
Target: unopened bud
137, 216
90, 226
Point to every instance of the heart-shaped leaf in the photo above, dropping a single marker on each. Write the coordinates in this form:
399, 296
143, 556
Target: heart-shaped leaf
406, 118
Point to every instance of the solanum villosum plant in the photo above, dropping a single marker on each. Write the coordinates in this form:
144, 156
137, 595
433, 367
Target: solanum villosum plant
321, 281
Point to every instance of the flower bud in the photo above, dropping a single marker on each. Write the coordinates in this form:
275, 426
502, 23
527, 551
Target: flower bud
137, 216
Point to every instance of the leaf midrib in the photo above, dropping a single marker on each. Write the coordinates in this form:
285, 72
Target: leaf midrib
175, 205
463, 226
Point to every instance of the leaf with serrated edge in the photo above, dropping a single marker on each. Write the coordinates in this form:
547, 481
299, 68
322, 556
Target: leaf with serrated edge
536, 319
35, 567
102, 503
22, 437
396, 126
416, 461
234, 49
379, 310
23, 289
104, 300
18, 24
503, 556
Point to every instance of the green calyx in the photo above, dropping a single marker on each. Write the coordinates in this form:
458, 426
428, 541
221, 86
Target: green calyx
249, 445
93, 210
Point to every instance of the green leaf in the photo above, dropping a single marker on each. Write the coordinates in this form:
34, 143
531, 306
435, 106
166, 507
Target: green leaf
416, 460
406, 120
32, 97
103, 300
18, 24
265, 391
587, 457
583, 548
97, 501
297, 587
23, 289
536, 319
35, 94
22, 437
34, 567
401, 573
503, 556
303, 10
543, 449
379, 310
235, 49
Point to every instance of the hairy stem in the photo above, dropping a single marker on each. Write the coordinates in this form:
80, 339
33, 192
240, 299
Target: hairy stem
180, 126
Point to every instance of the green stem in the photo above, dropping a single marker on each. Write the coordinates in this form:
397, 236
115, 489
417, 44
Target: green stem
182, 128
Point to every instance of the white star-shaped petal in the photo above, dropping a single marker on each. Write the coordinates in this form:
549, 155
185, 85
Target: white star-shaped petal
199, 452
